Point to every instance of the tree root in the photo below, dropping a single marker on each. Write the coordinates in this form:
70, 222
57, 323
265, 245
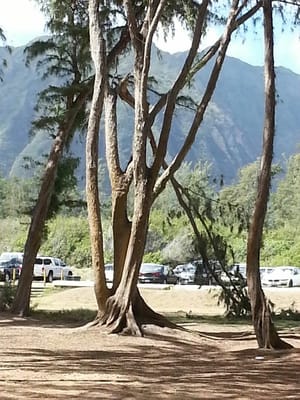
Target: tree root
129, 319
266, 333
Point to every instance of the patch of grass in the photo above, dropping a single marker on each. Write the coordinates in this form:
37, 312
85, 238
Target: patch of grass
77, 316
189, 318
284, 320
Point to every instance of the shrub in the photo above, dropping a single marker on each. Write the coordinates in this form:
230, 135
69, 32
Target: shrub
7, 294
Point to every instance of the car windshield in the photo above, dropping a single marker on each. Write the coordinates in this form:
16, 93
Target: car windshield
108, 267
150, 268
241, 268
285, 270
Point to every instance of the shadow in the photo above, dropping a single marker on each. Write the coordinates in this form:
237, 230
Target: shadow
165, 364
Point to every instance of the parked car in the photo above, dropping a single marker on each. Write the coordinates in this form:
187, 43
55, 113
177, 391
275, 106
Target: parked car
10, 269
282, 276
265, 270
109, 272
196, 272
50, 268
7, 256
187, 274
236, 275
157, 273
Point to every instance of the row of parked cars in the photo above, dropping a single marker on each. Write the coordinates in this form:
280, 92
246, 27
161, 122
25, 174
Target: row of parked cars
284, 276
196, 273
45, 267
190, 273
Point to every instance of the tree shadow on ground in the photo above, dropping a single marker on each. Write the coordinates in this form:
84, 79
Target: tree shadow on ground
163, 365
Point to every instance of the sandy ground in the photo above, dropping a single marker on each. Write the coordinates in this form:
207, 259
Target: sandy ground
50, 361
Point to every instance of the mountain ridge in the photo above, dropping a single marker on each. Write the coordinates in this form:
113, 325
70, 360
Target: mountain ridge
229, 137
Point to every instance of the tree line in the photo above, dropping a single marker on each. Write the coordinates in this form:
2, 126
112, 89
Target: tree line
170, 237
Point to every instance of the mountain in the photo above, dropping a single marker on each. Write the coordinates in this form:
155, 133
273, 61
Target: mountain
229, 137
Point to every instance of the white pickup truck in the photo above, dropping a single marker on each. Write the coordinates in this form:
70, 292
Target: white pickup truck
50, 268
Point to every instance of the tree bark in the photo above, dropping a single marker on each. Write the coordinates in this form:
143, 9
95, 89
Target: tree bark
98, 49
266, 334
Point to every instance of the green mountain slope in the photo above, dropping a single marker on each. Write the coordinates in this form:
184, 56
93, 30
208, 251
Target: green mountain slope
229, 138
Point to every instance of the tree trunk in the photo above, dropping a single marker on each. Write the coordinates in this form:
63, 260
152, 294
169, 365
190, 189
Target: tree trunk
119, 315
264, 328
21, 304
92, 142
125, 310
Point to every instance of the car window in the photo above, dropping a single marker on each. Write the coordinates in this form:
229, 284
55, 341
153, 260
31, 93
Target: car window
4, 263
151, 268
38, 261
47, 261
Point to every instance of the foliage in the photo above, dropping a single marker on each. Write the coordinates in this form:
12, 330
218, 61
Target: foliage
68, 238
154, 257
13, 233
236, 301
7, 293
170, 237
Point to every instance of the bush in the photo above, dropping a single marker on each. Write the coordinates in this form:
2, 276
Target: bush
7, 295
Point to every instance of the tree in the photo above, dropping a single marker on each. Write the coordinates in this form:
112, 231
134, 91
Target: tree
285, 202
264, 328
66, 57
4, 61
122, 309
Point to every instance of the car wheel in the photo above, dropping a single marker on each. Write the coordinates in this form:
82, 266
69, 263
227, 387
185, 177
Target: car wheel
50, 277
70, 273
290, 283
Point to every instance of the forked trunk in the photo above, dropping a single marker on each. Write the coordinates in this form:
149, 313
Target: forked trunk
126, 311
119, 315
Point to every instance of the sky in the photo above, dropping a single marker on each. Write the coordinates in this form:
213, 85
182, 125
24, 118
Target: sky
22, 21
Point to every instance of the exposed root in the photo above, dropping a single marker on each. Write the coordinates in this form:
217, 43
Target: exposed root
147, 316
266, 333
129, 319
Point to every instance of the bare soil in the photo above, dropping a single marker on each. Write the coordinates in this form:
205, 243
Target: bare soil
46, 360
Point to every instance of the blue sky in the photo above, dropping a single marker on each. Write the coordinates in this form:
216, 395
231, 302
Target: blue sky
22, 21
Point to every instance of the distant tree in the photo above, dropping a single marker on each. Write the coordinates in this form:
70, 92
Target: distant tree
286, 199
3, 61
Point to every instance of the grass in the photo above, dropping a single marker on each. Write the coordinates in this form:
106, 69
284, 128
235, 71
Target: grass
81, 316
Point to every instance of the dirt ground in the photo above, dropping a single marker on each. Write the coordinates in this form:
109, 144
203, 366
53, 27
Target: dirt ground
60, 361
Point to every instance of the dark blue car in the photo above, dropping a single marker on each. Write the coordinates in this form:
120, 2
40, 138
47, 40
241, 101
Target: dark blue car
10, 269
